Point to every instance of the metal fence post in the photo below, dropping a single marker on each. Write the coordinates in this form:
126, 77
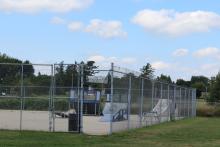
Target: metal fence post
192, 103
195, 101
174, 107
152, 96
161, 97
51, 102
180, 103
24, 92
168, 95
53, 96
21, 98
81, 97
141, 101
112, 93
78, 95
185, 105
188, 100
129, 102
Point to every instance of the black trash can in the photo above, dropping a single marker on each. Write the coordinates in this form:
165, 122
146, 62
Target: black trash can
74, 123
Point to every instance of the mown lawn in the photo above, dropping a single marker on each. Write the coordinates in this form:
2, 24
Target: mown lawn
198, 132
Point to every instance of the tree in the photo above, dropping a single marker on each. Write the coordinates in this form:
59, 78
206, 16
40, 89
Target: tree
147, 71
200, 87
89, 70
202, 79
28, 69
68, 75
71, 75
11, 74
201, 83
215, 89
164, 78
182, 82
60, 74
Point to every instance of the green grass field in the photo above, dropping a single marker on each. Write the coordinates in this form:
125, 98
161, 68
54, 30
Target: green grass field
198, 132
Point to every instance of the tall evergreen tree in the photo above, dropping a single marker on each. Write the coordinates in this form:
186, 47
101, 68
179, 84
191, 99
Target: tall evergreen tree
147, 71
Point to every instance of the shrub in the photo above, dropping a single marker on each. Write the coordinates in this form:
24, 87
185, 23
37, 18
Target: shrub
33, 104
208, 109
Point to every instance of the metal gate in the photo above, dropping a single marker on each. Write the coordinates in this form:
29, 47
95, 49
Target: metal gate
67, 98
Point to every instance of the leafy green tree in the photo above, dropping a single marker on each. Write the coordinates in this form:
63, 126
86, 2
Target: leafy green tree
28, 69
182, 82
68, 75
215, 89
147, 71
164, 78
89, 70
202, 79
201, 83
71, 76
59, 74
11, 74
200, 87
41, 80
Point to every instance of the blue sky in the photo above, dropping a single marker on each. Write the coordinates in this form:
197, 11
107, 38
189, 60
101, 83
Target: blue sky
179, 38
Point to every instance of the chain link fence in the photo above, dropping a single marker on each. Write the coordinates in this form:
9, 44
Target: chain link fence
144, 102
76, 98
25, 100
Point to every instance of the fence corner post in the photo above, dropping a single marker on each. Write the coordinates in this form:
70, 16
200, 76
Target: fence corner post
111, 100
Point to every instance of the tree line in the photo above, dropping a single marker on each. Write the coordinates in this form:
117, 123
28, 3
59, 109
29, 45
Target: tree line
68, 76
23, 72
206, 88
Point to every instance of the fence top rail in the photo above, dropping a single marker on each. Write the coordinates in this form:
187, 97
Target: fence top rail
115, 69
20, 64
138, 74
66, 64
100, 70
157, 81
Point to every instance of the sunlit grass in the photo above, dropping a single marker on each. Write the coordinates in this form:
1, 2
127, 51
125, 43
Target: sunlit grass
198, 132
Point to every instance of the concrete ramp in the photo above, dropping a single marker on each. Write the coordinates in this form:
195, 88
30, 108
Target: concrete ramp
162, 107
160, 112
116, 108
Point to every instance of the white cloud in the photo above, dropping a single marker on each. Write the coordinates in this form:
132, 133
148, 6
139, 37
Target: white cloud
106, 29
97, 58
180, 52
105, 61
158, 65
185, 71
210, 67
57, 20
176, 23
75, 26
31, 6
129, 60
208, 52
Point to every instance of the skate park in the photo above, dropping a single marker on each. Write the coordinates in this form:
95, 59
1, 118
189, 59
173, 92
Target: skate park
108, 101
93, 125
